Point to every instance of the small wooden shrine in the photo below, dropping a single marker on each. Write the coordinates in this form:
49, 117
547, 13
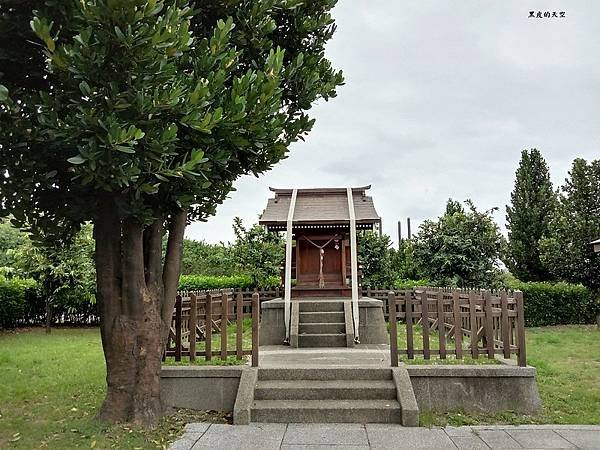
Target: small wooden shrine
320, 225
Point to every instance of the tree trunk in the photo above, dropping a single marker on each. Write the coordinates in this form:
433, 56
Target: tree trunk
134, 296
48, 316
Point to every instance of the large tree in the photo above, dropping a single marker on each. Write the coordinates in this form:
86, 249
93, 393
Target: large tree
460, 248
146, 113
533, 201
566, 250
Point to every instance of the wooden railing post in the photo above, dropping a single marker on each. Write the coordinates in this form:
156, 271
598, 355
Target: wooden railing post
208, 328
456, 312
224, 322
178, 328
488, 323
192, 325
522, 354
441, 324
410, 347
425, 323
504, 324
255, 321
239, 334
473, 323
393, 329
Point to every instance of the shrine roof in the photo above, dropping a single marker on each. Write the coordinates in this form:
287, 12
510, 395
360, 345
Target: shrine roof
319, 206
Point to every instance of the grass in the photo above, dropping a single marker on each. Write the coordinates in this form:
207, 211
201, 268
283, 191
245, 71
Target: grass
567, 359
52, 386
434, 344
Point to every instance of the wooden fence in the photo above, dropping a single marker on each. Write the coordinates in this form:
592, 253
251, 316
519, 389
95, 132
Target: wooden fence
467, 322
206, 318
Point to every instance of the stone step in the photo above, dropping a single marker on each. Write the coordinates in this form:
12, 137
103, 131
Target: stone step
325, 373
325, 390
321, 306
316, 328
321, 317
322, 340
326, 411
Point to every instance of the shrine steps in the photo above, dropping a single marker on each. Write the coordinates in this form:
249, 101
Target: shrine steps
326, 395
321, 323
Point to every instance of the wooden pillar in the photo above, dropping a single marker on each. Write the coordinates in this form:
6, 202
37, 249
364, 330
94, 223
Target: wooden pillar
288, 265
353, 263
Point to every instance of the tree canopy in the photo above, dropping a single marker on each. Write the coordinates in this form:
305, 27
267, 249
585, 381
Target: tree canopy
138, 116
566, 250
533, 202
460, 248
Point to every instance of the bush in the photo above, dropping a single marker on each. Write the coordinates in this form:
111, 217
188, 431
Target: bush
204, 282
19, 299
410, 284
557, 303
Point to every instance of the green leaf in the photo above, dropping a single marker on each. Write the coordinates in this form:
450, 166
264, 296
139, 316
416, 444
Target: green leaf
76, 160
3, 93
85, 89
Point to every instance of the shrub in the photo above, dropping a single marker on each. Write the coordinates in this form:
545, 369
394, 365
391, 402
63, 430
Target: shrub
19, 299
410, 284
557, 303
203, 282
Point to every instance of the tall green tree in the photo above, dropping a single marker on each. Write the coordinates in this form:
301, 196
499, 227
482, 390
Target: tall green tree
566, 250
64, 272
375, 257
533, 202
146, 113
201, 258
460, 248
257, 252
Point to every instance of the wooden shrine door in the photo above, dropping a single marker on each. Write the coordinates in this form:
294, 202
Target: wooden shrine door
319, 261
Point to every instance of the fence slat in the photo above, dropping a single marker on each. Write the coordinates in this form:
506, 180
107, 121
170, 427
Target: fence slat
522, 354
224, 321
193, 322
441, 324
473, 322
457, 324
489, 324
410, 347
239, 332
425, 323
208, 328
178, 328
505, 324
393, 329
255, 320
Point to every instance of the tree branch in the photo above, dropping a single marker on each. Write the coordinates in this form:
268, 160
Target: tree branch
172, 267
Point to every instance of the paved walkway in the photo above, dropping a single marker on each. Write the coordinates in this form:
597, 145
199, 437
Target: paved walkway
272, 436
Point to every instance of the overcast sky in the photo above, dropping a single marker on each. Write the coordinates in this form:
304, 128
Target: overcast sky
440, 98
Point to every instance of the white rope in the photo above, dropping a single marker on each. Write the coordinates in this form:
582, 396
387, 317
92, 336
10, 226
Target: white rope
321, 256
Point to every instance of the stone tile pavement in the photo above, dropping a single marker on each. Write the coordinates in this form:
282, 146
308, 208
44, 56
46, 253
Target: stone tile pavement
294, 436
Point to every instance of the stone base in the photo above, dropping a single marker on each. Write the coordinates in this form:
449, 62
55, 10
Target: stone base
372, 328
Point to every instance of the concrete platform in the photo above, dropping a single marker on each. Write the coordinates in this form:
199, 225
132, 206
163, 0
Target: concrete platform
294, 436
361, 355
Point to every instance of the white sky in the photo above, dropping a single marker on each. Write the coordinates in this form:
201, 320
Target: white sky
440, 98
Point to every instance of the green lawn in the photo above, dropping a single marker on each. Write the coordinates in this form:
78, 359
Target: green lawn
50, 390
567, 359
51, 387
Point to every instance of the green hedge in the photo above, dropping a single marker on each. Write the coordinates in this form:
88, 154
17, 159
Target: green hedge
557, 303
19, 299
205, 282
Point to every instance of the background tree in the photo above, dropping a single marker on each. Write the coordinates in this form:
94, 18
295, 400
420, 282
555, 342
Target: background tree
257, 252
461, 248
532, 204
375, 256
566, 250
10, 239
65, 272
201, 258
146, 114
